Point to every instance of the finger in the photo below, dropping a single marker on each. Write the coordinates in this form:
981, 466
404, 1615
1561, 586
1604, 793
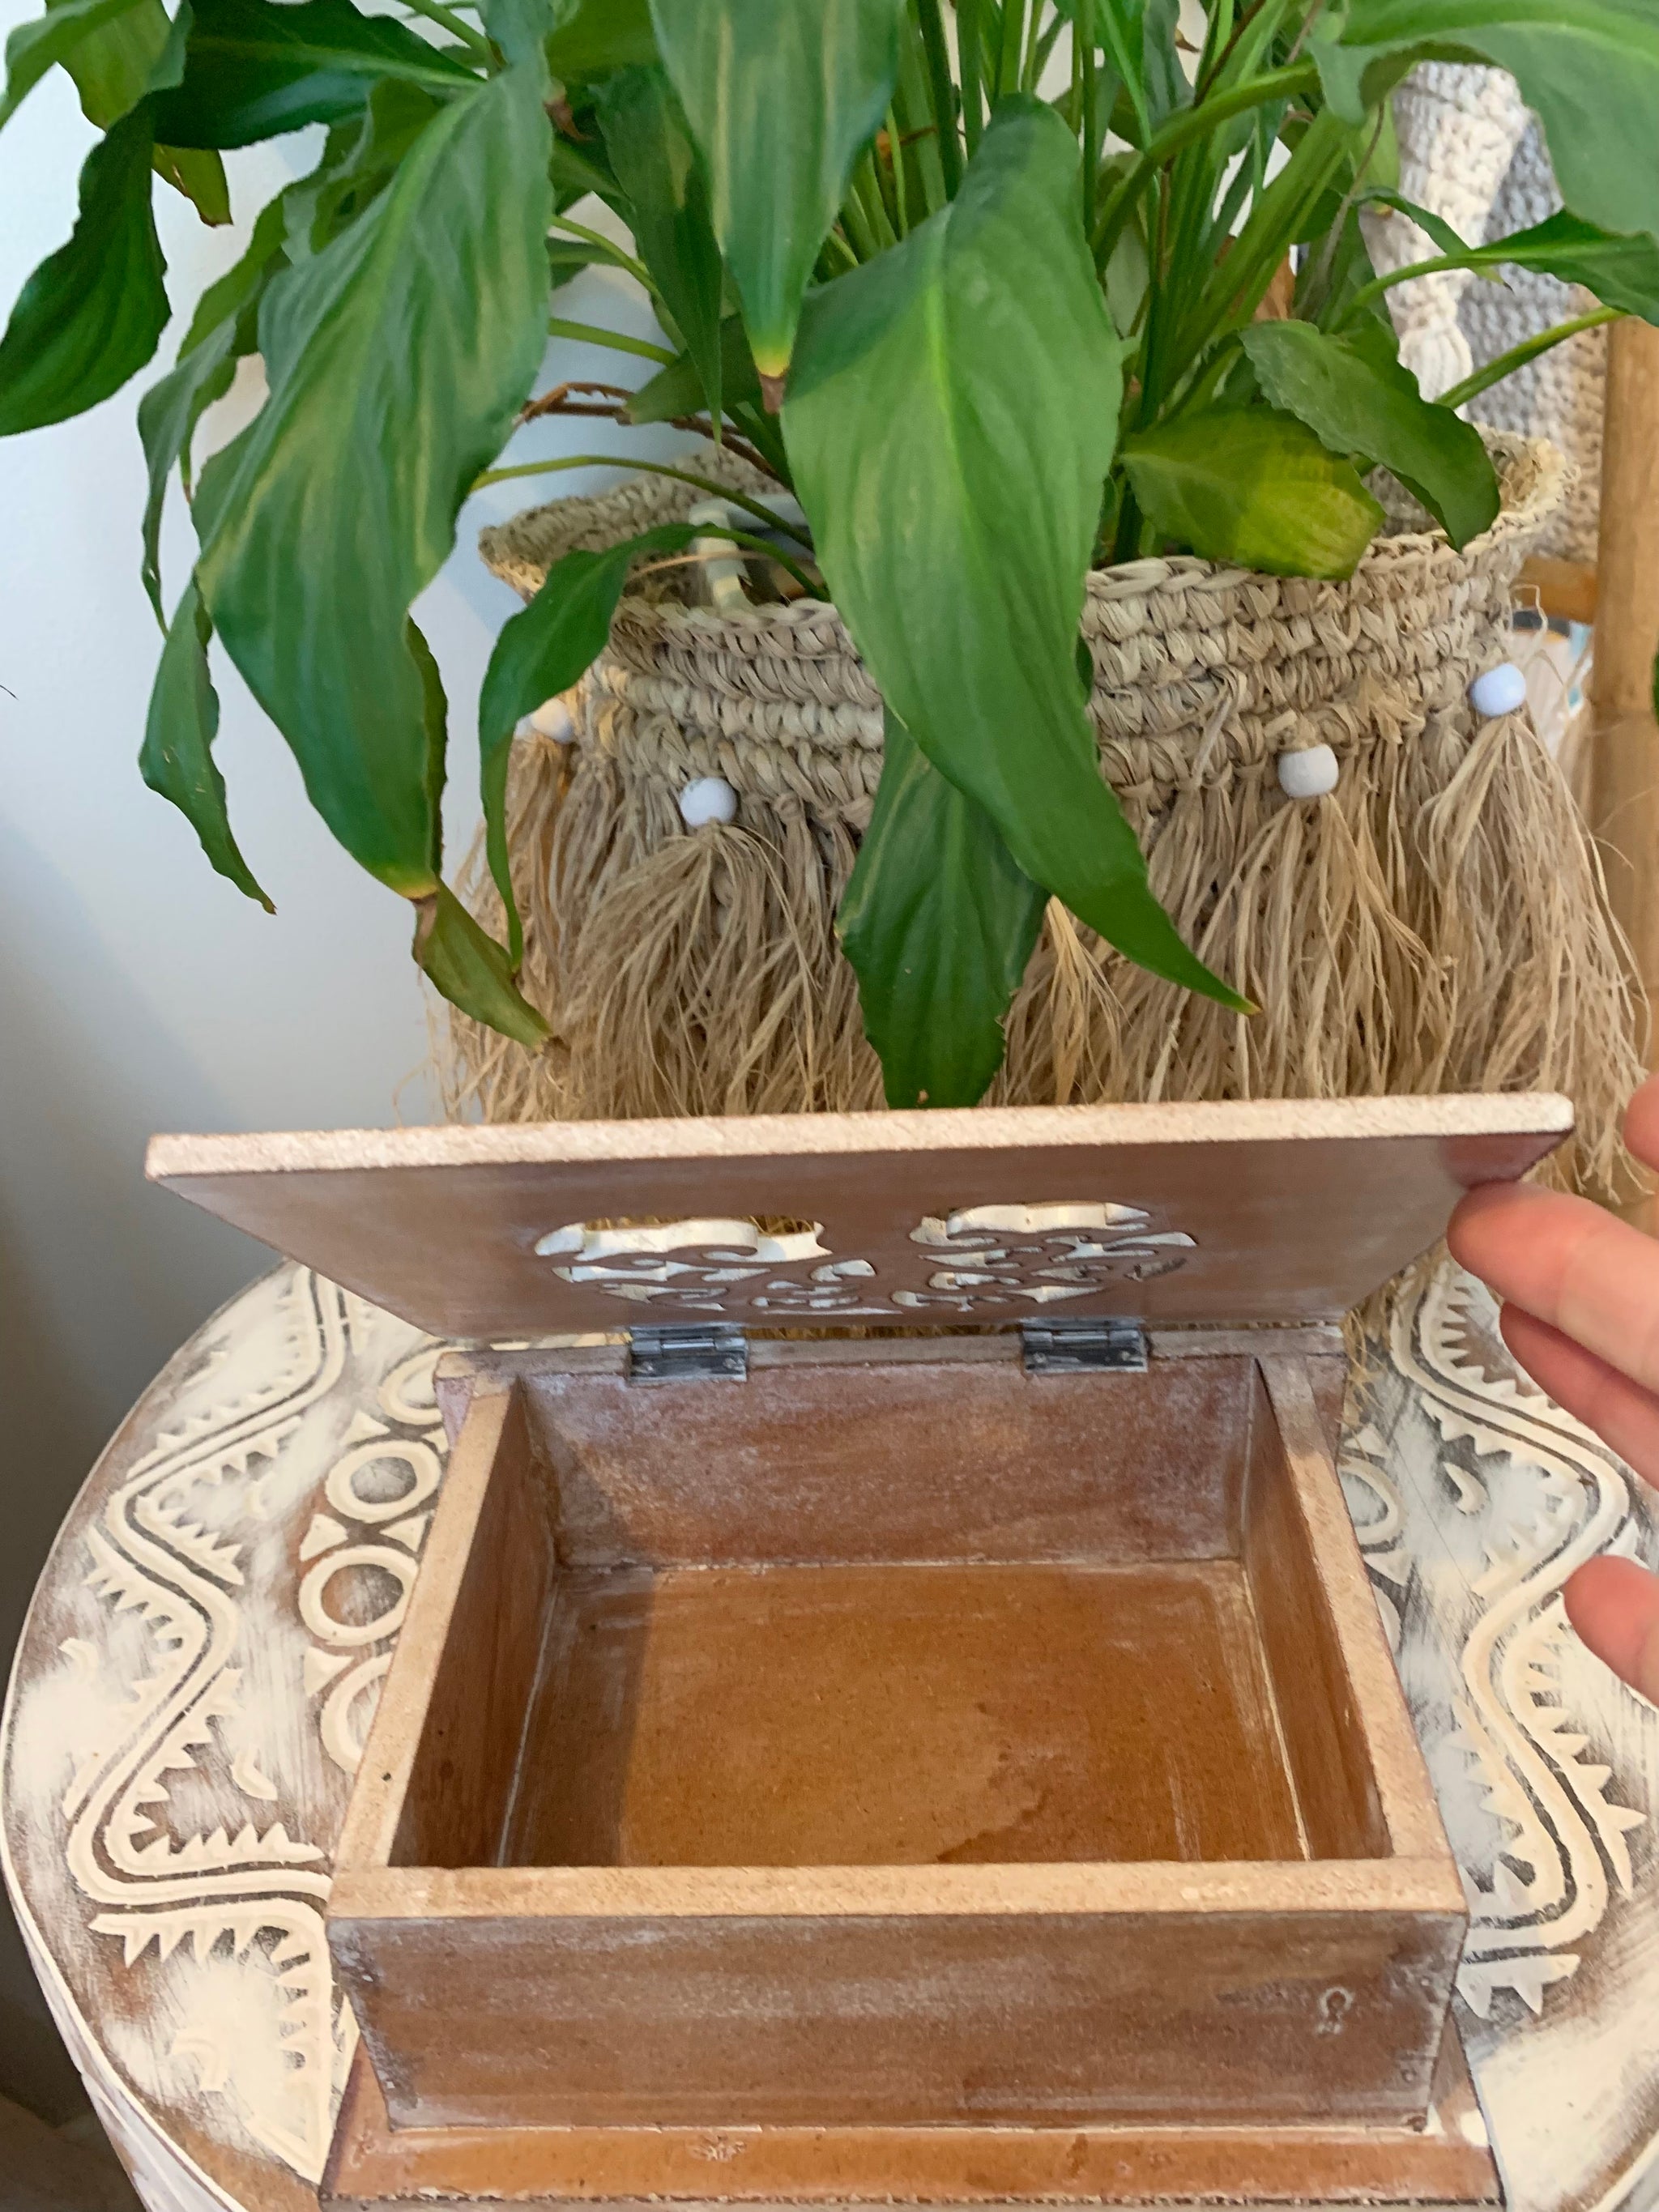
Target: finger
1614, 1604
1642, 1124
1584, 1272
1621, 1413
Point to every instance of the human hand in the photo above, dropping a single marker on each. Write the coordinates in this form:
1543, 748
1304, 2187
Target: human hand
1580, 1292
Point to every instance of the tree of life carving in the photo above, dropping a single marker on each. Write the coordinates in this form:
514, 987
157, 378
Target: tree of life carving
1001, 1257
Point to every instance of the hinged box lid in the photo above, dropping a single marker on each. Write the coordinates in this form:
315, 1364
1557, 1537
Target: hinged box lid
1285, 1211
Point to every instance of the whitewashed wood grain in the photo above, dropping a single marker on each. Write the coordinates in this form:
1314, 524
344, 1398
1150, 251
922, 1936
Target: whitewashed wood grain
206, 1646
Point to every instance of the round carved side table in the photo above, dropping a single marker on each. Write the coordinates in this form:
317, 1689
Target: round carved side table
205, 1648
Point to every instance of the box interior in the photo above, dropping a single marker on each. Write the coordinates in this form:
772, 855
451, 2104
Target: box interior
900, 1613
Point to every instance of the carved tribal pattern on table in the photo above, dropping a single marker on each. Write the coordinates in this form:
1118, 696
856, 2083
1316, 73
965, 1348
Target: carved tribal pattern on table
1474, 1498
324, 1403
1006, 1257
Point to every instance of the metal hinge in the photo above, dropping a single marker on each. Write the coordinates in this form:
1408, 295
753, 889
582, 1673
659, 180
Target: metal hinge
700, 1352
1083, 1344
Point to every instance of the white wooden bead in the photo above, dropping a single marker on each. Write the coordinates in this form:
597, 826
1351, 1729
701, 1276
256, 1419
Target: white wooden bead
552, 720
1499, 691
1308, 772
710, 798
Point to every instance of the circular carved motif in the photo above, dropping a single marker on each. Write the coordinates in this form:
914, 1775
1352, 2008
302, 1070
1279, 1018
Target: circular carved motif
385, 1622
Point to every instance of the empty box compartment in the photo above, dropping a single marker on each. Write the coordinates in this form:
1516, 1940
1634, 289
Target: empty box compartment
896, 1737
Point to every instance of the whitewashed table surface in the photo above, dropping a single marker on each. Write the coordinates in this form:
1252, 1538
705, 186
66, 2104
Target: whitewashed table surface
206, 1645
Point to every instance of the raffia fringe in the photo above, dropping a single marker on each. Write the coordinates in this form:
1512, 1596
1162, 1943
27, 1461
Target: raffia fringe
1437, 923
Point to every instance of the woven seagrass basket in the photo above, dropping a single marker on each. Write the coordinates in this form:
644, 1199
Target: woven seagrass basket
1437, 922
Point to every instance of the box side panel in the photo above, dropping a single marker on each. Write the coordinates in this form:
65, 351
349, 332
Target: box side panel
1046, 2020
493, 1431
889, 1460
464, 1777
1324, 1743
1357, 1741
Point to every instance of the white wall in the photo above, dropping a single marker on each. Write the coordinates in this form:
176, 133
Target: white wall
138, 990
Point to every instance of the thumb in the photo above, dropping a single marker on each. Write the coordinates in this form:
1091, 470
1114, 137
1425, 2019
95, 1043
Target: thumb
1614, 1604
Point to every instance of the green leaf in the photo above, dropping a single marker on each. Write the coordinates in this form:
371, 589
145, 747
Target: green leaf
34, 48
540, 653
254, 69
656, 165
1246, 485
167, 416
950, 419
781, 99
222, 330
940, 924
356, 166
177, 756
678, 389
1623, 271
199, 175
1589, 69
1354, 82
93, 313
1432, 226
471, 969
598, 36
113, 66
521, 28
434, 723
398, 358
1359, 400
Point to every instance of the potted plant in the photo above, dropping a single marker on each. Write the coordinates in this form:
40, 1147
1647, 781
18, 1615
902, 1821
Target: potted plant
1014, 304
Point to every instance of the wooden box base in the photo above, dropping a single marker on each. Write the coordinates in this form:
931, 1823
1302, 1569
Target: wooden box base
1310, 2167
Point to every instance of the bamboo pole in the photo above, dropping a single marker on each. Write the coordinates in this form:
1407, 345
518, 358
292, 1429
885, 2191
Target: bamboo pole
1624, 767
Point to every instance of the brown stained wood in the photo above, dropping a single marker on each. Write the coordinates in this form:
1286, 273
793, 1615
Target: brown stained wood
853, 1458
1627, 550
1297, 1209
1371, 1734
903, 1715
1624, 748
882, 1707
439, 1762
1565, 589
1445, 2163
1025, 2019
1325, 1749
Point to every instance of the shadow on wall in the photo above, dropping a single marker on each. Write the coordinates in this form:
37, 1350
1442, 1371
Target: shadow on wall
100, 1279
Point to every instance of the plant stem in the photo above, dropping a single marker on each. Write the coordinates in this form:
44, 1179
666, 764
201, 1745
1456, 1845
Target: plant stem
1084, 36
971, 48
866, 190
1518, 357
612, 251
1193, 122
592, 334
895, 156
1029, 66
652, 468
942, 92
1238, 282
863, 244
1013, 37
752, 544
435, 12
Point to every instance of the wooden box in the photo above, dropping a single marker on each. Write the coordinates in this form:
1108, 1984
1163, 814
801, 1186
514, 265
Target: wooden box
976, 1724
